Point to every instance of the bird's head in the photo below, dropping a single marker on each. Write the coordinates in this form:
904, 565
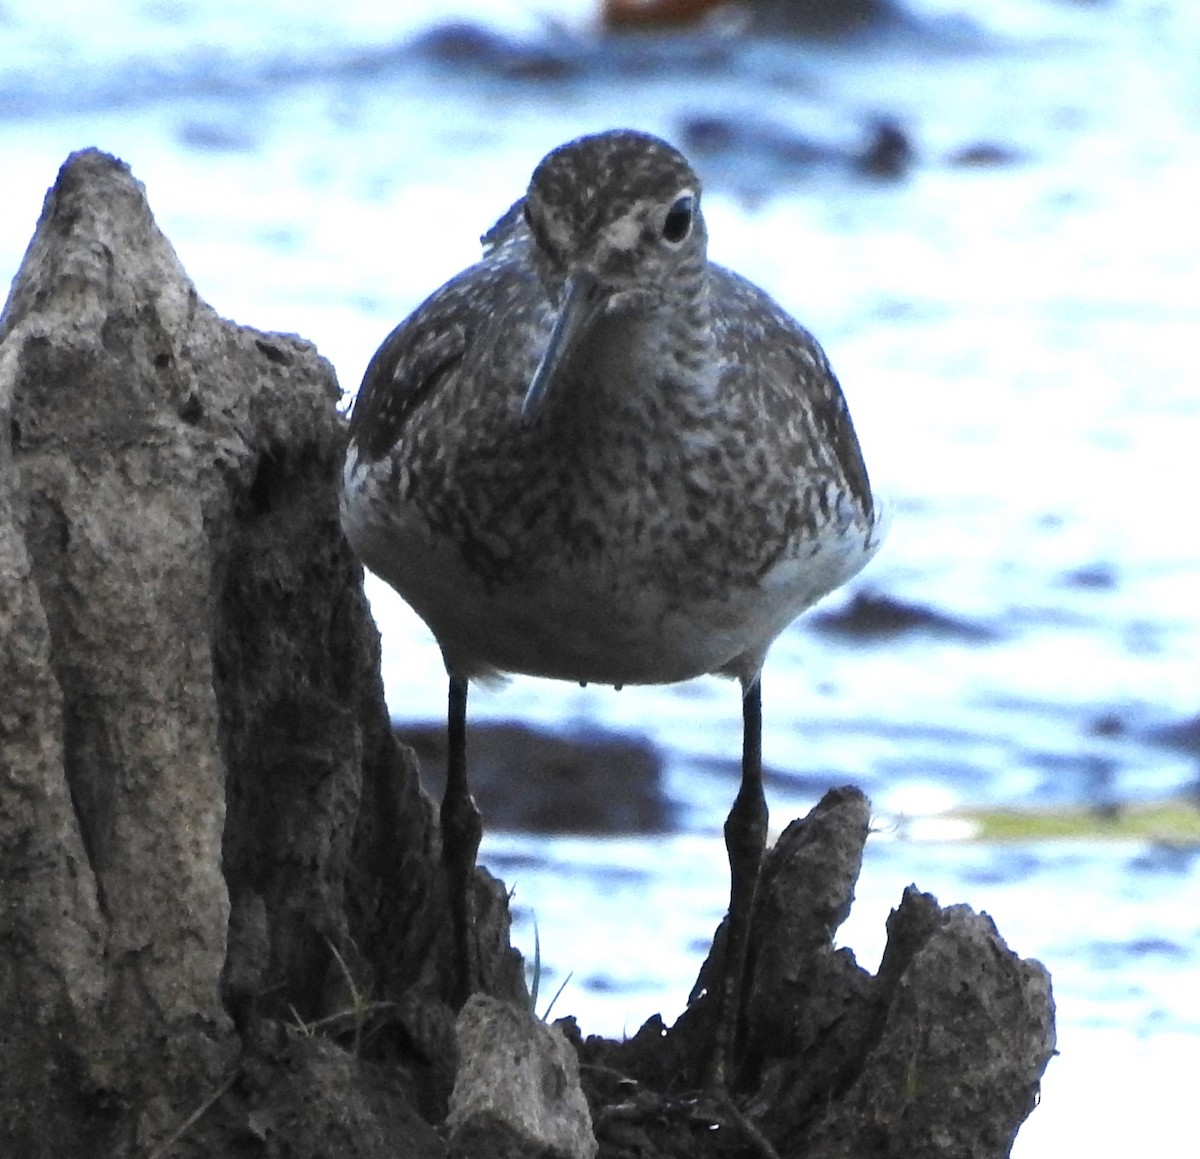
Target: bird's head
617, 227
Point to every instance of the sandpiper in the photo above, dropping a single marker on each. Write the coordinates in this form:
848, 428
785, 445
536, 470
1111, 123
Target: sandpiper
597, 456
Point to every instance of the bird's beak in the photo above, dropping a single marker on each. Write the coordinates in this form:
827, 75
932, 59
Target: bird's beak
581, 301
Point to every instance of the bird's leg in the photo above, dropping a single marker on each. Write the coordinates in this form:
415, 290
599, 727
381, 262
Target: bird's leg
745, 840
461, 831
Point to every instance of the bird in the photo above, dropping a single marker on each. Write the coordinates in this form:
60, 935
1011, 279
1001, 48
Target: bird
595, 455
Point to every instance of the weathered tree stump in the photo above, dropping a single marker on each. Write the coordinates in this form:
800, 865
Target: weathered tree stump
223, 927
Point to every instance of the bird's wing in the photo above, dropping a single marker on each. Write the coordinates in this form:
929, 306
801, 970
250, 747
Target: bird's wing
798, 386
509, 228
831, 422
406, 369
460, 320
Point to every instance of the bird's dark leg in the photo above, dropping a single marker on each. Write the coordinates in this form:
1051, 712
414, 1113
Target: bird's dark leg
745, 840
461, 831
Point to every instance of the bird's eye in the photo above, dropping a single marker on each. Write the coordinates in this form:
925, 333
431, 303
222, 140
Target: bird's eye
678, 222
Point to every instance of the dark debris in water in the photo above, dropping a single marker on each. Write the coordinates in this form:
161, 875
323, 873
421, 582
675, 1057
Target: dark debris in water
805, 18
889, 152
983, 155
752, 152
473, 48
460, 44
215, 137
1115, 955
594, 782
874, 616
1091, 577
1107, 724
823, 18
1166, 857
1183, 735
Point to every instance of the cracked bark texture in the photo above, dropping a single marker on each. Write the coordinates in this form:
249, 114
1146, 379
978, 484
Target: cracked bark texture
202, 798
939, 1055
223, 928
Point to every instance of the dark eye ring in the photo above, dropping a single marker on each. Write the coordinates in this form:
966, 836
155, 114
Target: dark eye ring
678, 222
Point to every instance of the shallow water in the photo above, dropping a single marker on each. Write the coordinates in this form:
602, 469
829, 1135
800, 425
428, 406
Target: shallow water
1016, 341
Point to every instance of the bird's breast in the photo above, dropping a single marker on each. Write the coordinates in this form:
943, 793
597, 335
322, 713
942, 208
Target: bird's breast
589, 578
